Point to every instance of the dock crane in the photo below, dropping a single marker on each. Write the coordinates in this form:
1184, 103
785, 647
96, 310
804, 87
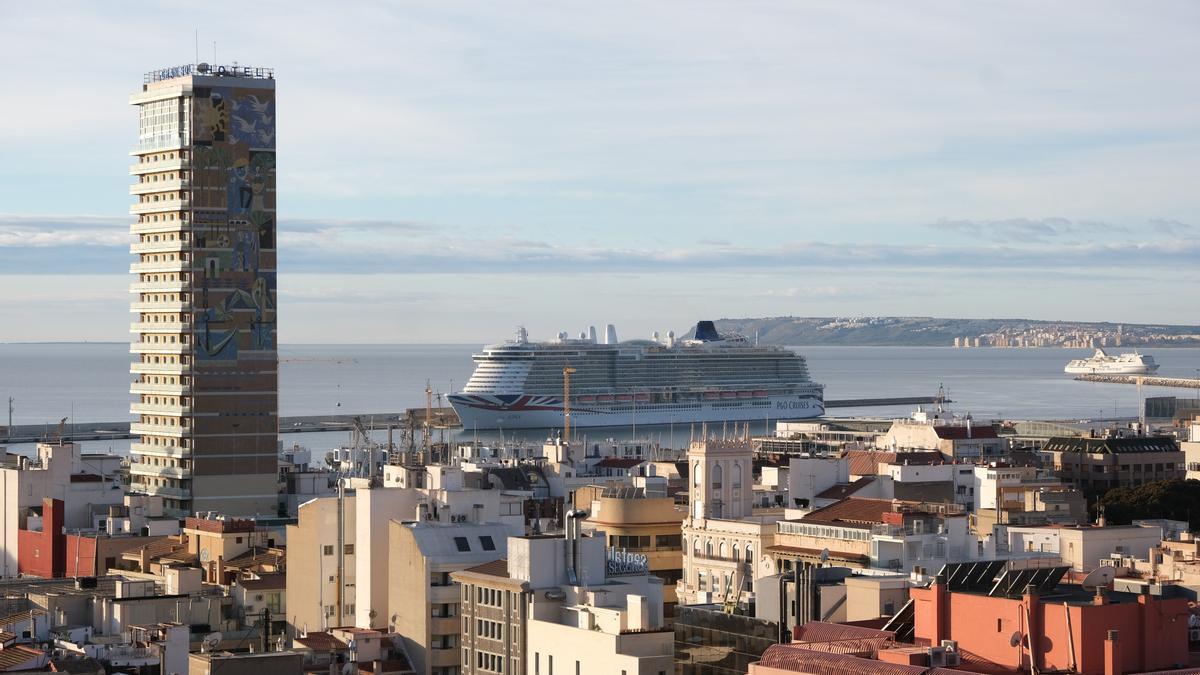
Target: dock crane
567, 372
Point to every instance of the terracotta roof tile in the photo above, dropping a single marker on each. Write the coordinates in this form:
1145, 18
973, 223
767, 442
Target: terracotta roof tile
852, 512
866, 462
841, 491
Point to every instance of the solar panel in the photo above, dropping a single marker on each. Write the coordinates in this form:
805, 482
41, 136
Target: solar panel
903, 624
1014, 582
978, 576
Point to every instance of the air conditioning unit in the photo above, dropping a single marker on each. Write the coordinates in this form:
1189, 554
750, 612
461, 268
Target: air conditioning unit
937, 657
1194, 635
953, 658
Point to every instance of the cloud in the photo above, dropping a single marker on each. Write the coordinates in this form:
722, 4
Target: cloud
1017, 230
1173, 228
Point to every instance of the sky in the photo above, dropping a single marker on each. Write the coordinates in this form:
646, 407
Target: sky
449, 170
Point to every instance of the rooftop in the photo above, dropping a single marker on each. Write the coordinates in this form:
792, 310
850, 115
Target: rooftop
190, 69
843, 491
852, 512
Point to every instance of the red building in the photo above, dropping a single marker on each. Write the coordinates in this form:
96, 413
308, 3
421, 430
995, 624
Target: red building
981, 625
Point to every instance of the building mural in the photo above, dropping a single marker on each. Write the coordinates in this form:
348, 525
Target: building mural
234, 165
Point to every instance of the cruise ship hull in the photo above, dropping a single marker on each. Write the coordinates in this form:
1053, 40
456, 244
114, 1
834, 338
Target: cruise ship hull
524, 411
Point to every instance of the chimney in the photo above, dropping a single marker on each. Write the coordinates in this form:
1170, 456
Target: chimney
1112, 654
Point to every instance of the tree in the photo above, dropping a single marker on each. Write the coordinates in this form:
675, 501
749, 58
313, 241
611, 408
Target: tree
1172, 499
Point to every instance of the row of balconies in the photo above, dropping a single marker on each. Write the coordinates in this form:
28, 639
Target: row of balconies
159, 327
143, 469
150, 388
160, 266
161, 306
159, 348
172, 451
171, 246
159, 409
176, 164
169, 368
160, 205
173, 285
158, 186
141, 428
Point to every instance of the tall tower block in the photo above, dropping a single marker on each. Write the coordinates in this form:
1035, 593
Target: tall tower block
205, 366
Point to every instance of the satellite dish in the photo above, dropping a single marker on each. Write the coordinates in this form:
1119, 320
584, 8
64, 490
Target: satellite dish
372, 614
1101, 576
212, 640
1015, 640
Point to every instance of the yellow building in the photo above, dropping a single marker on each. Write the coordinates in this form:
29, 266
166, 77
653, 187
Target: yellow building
650, 526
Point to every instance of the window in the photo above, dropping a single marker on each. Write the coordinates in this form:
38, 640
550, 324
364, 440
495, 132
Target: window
463, 545
668, 541
349, 549
487, 543
328, 549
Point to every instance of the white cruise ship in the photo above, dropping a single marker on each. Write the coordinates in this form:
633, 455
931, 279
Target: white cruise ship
709, 378
1101, 363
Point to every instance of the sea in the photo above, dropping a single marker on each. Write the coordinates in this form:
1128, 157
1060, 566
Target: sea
89, 382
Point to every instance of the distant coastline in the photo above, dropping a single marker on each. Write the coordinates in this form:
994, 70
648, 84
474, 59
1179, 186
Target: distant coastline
895, 331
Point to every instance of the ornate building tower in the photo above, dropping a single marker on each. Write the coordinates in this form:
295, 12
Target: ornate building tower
204, 349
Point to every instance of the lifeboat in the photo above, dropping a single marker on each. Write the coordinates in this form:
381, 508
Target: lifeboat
641, 398
728, 394
587, 398
744, 394
604, 398
760, 393
624, 398
710, 395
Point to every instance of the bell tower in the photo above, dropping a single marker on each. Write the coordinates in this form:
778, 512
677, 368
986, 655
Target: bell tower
720, 473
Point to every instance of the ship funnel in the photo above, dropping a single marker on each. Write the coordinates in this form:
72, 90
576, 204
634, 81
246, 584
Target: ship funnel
610, 334
592, 333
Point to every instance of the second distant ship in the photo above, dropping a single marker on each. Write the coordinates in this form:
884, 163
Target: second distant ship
1103, 364
712, 377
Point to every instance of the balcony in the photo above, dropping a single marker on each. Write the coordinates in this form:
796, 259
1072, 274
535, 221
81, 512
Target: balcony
161, 165
444, 595
141, 429
169, 368
178, 493
159, 348
142, 469
445, 625
160, 266
172, 451
161, 306
156, 409
159, 327
149, 388
175, 246
151, 227
159, 206
157, 186
163, 286
444, 658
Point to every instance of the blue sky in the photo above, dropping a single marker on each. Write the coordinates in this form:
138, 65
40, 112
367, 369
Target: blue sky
448, 170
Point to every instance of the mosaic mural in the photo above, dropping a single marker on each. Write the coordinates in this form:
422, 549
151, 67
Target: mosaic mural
234, 220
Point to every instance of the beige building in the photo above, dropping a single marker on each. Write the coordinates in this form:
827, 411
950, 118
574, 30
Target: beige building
633, 522
422, 597
956, 439
723, 542
320, 578
563, 605
204, 345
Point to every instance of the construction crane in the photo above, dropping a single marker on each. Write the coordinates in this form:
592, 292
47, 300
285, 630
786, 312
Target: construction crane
428, 420
567, 371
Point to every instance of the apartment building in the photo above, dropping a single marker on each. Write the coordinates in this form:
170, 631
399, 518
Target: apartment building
1096, 465
563, 604
204, 348
423, 599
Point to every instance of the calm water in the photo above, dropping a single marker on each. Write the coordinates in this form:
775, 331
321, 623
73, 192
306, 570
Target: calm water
90, 381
